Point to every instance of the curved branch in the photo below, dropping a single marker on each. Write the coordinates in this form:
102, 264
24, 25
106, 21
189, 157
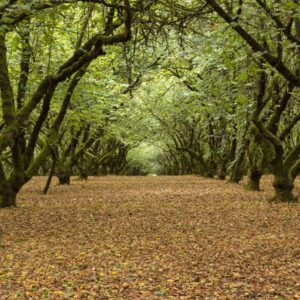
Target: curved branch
255, 45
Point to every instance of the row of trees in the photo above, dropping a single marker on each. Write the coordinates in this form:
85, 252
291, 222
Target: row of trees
52, 60
231, 103
134, 87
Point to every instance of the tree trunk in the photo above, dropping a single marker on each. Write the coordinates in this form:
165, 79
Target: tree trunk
208, 174
236, 175
237, 171
7, 196
52, 171
83, 174
63, 178
206, 170
222, 170
283, 186
254, 176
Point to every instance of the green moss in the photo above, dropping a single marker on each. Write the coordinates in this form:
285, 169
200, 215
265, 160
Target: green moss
255, 155
253, 130
283, 186
253, 183
268, 150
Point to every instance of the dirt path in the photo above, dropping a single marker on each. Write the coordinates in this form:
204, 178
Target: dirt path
149, 238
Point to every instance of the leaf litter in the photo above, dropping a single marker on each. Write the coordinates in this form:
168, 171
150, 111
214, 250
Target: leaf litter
181, 237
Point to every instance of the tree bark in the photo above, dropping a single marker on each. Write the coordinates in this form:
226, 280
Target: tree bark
283, 188
254, 176
49, 179
222, 170
7, 196
237, 171
63, 178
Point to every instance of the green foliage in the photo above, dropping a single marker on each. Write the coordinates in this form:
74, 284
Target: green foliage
142, 160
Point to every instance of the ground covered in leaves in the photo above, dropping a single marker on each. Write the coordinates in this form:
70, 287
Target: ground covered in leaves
149, 238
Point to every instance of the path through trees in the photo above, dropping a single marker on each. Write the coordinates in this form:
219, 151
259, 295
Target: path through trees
172, 237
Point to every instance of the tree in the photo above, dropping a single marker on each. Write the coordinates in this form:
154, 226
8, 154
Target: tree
13, 142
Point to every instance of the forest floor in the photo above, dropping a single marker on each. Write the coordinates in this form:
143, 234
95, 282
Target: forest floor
149, 238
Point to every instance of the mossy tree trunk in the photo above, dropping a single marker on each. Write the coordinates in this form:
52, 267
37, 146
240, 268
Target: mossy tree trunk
74, 155
63, 170
209, 173
64, 178
7, 189
253, 180
222, 169
238, 167
255, 163
83, 175
83, 169
236, 175
7, 196
284, 169
283, 186
237, 171
203, 168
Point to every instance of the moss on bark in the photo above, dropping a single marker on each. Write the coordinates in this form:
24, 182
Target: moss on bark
253, 183
283, 186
